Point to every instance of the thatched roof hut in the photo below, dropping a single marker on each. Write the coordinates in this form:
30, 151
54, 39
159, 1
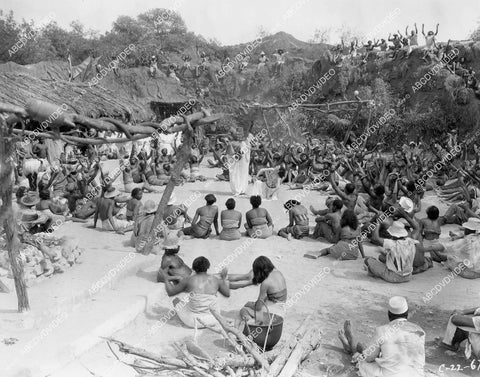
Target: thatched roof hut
132, 95
80, 98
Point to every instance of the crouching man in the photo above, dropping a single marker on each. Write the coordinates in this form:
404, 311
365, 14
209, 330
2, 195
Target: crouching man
396, 350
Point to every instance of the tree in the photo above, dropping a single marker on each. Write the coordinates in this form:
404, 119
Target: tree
262, 32
163, 21
321, 35
348, 34
9, 32
476, 33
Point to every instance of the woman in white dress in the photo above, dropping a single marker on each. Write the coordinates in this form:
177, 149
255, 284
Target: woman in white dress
238, 152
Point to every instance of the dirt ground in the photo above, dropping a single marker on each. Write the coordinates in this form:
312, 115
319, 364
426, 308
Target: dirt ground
345, 292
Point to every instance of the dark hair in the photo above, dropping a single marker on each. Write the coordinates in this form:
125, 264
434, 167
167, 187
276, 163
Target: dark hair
210, 199
410, 186
349, 218
21, 192
230, 203
135, 191
349, 188
282, 172
392, 317
337, 204
291, 203
432, 212
44, 194
255, 201
379, 190
262, 266
469, 231
200, 264
172, 251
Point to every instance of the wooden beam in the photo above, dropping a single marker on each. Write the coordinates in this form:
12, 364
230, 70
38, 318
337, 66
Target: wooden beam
7, 215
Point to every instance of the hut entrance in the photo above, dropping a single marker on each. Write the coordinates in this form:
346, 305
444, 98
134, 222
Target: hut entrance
163, 110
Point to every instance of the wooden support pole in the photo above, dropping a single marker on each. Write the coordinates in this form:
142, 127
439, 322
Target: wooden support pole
7, 215
182, 158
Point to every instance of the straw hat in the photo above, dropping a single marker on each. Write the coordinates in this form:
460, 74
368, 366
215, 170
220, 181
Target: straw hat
171, 241
406, 204
149, 207
111, 193
397, 305
30, 200
472, 224
33, 217
397, 229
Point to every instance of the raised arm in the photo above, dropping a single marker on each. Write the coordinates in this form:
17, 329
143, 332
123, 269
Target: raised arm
340, 193
436, 31
423, 30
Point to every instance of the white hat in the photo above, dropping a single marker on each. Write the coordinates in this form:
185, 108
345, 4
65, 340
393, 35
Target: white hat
397, 305
149, 207
406, 204
472, 224
397, 229
171, 241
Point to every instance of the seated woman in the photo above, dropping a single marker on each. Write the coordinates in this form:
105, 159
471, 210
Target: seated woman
231, 221
298, 225
134, 204
172, 267
259, 223
202, 289
273, 290
430, 231
463, 325
54, 210
206, 216
344, 249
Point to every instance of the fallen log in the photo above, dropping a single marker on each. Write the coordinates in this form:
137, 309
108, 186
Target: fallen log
197, 351
288, 347
245, 361
245, 342
303, 348
170, 361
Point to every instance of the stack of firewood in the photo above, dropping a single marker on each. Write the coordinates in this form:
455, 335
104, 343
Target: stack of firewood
41, 256
246, 359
